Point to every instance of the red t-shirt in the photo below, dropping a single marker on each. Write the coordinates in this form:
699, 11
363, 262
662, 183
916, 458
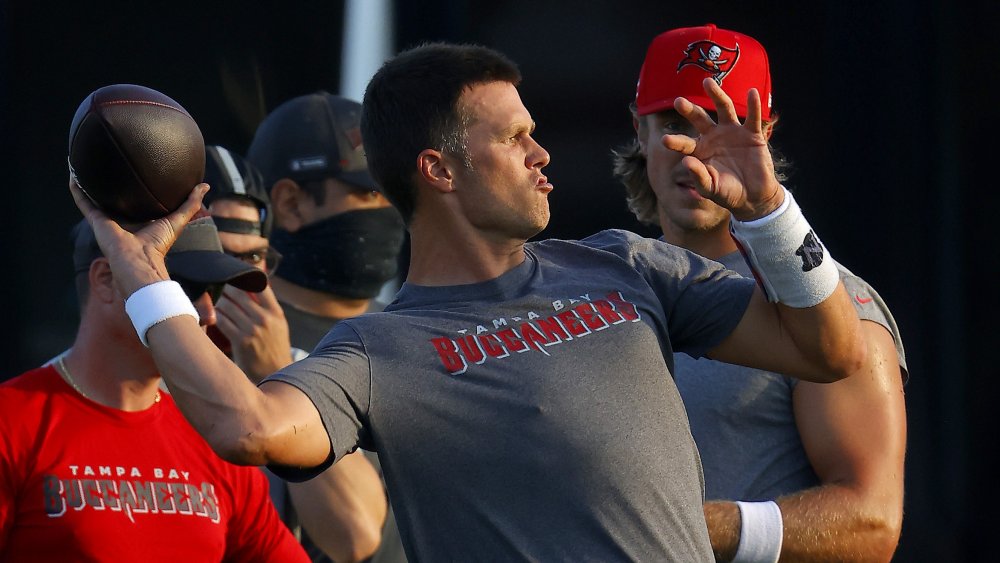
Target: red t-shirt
83, 482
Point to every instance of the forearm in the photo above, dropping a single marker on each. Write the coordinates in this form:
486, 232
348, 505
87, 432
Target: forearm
343, 509
240, 422
802, 323
723, 519
827, 336
821, 344
215, 396
826, 523
835, 522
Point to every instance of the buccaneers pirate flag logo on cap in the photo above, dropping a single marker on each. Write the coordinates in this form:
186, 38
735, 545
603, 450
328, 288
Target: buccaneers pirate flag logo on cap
717, 60
677, 62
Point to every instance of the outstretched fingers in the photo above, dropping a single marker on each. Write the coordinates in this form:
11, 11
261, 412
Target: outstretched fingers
680, 143
753, 122
704, 177
723, 103
696, 115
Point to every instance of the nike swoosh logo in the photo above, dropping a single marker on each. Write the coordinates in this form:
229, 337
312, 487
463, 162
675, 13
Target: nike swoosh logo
862, 300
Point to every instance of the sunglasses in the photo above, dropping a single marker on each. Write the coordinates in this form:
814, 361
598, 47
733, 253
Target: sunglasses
195, 290
266, 256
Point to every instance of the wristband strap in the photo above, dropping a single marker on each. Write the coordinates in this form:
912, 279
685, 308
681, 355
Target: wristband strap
760, 532
156, 303
788, 260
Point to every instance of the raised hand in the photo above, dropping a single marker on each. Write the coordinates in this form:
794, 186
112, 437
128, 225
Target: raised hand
257, 331
730, 161
136, 252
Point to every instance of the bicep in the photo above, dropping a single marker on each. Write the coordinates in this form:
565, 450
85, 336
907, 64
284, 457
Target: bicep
854, 430
297, 437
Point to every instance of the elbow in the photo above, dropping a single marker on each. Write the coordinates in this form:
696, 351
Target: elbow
244, 447
845, 359
856, 358
853, 353
365, 541
359, 542
877, 529
891, 528
884, 539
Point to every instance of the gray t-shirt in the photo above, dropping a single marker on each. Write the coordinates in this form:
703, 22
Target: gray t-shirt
533, 416
742, 418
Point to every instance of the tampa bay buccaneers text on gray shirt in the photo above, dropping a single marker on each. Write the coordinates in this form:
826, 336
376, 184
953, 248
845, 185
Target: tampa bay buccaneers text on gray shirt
534, 416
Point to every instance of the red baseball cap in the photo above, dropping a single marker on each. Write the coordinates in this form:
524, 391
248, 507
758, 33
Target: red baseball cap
678, 60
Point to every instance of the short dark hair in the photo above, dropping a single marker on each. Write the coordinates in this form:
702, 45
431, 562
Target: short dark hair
411, 104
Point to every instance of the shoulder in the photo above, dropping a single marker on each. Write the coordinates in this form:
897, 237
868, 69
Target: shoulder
376, 305
618, 241
870, 306
25, 392
632, 248
28, 405
868, 303
33, 379
346, 340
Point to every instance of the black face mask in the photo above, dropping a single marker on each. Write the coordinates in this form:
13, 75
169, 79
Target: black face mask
351, 254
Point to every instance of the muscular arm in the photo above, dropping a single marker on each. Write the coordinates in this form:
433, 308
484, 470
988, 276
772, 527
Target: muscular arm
854, 432
343, 508
244, 424
273, 424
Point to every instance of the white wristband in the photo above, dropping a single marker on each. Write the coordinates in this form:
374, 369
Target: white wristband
789, 261
760, 532
156, 303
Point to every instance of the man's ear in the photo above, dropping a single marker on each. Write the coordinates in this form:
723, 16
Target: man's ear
434, 169
286, 197
102, 281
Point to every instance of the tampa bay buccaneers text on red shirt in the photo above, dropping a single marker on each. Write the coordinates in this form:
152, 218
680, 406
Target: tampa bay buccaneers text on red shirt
130, 491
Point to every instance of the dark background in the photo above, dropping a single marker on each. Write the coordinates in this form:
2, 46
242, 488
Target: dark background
884, 113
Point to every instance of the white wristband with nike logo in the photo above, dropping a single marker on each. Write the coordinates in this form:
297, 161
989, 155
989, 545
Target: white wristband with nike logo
789, 261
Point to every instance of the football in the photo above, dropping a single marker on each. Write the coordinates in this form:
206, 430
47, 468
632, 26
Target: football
135, 152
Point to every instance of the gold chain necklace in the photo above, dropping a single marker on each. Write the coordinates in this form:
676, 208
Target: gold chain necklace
64, 371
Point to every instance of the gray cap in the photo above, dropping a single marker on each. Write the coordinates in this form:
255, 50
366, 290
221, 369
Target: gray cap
312, 137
